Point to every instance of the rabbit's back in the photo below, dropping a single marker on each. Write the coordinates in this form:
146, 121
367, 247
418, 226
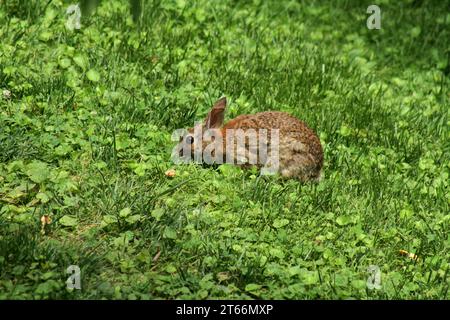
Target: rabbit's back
300, 150
266, 120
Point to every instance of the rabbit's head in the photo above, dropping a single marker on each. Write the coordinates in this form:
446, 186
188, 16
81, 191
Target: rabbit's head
203, 133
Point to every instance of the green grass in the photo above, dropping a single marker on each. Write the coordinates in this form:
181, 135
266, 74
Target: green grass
85, 138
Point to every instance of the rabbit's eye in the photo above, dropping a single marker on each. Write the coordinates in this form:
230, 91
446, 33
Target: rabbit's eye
190, 139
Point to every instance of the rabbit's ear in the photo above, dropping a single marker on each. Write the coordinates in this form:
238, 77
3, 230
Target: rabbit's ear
216, 115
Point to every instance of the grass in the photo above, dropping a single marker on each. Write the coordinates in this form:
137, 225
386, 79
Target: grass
85, 139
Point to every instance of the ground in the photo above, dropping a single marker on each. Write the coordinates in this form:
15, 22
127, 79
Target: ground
86, 118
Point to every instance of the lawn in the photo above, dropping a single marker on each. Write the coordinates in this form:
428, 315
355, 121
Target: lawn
86, 118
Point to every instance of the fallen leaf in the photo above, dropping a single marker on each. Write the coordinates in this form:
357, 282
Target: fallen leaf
45, 219
170, 173
410, 255
156, 257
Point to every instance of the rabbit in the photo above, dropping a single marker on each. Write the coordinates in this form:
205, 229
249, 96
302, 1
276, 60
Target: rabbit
299, 156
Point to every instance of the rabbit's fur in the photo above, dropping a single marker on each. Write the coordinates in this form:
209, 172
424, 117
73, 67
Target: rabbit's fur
300, 151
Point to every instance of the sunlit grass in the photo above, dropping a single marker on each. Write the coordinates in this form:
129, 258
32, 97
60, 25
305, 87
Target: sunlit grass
91, 153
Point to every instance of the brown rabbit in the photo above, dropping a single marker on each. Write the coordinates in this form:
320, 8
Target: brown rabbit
299, 152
